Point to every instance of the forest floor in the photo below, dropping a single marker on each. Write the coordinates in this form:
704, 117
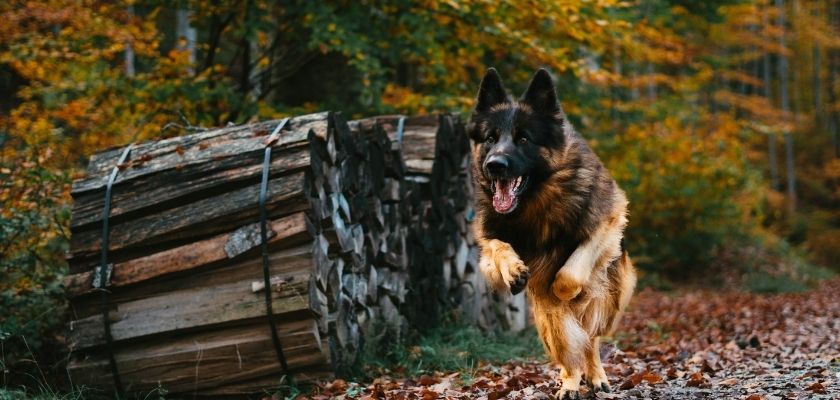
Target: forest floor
683, 345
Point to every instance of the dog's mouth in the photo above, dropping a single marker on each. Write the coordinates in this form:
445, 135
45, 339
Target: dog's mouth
506, 193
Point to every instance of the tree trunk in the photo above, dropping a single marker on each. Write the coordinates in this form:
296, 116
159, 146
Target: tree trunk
186, 33
651, 86
615, 94
786, 109
819, 112
833, 60
833, 116
772, 159
129, 48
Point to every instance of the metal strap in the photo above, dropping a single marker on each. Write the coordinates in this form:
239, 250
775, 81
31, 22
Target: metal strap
275, 338
400, 129
104, 273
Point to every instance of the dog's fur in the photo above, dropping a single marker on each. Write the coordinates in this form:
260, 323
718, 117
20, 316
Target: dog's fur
563, 235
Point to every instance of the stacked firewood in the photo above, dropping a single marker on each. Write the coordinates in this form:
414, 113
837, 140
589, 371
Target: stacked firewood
367, 228
185, 288
442, 254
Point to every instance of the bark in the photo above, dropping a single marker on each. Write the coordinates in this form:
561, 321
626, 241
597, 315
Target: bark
129, 48
772, 158
186, 33
786, 109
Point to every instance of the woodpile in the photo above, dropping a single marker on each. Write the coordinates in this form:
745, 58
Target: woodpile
364, 222
442, 254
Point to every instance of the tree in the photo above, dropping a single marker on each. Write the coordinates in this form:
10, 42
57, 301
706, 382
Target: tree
785, 105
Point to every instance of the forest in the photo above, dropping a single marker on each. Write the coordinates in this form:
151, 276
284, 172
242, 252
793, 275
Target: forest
720, 119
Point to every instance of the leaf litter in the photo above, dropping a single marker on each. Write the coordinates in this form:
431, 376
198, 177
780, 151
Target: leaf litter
689, 345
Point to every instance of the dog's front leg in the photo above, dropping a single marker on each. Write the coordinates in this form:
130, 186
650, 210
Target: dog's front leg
502, 267
603, 246
574, 274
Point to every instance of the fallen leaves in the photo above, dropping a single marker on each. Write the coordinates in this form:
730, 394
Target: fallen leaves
637, 378
695, 345
816, 388
695, 380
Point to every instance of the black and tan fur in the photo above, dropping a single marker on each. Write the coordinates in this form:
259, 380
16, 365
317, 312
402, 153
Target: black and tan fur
563, 237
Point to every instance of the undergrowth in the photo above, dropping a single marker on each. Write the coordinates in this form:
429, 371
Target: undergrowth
454, 347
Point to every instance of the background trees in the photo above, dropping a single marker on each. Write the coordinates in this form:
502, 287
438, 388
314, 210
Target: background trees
687, 104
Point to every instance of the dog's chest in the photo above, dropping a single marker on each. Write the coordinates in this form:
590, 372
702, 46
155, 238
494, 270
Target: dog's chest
532, 244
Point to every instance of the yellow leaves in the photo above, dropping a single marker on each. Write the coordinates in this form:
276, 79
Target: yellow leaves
262, 39
454, 4
403, 99
832, 170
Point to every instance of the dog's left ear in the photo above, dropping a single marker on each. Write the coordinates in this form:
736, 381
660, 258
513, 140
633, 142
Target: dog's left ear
540, 94
491, 92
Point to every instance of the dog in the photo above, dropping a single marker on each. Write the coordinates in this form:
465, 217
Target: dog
550, 218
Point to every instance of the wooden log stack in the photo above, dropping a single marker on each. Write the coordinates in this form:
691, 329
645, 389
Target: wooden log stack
185, 293
442, 254
366, 223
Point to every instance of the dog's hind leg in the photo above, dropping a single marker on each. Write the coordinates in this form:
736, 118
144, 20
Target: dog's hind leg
596, 377
567, 344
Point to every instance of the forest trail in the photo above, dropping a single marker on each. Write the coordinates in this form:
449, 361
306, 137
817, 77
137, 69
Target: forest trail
690, 345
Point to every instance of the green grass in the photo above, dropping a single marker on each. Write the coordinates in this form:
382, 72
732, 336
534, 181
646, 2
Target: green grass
793, 272
41, 393
451, 348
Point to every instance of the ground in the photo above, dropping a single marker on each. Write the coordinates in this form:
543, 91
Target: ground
685, 345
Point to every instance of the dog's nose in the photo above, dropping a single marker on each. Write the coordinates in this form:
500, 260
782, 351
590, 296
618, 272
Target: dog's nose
496, 164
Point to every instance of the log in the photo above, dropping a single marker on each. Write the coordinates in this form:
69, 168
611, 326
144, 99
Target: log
202, 363
179, 152
180, 186
290, 229
204, 217
215, 297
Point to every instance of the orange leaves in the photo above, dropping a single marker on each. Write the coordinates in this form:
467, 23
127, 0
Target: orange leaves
639, 377
696, 380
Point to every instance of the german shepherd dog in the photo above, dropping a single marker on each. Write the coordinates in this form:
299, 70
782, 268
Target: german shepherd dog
550, 218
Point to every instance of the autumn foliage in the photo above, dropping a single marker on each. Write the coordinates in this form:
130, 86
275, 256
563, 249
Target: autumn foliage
682, 102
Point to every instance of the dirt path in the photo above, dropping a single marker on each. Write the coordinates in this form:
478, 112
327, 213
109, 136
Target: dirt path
693, 345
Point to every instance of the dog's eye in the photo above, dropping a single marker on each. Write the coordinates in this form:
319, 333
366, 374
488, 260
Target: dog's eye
491, 139
523, 140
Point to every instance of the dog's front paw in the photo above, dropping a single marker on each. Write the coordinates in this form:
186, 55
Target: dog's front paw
519, 279
566, 288
513, 271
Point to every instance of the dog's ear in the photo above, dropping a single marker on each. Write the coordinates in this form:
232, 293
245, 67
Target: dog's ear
540, 95
491, 92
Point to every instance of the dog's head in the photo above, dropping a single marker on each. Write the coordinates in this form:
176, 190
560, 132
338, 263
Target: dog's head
513, 139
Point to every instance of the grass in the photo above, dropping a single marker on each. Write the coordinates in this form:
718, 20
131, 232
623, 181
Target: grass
451, 348
41, 393
792, 271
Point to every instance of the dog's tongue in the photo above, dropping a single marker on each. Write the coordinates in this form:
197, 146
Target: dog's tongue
503, 197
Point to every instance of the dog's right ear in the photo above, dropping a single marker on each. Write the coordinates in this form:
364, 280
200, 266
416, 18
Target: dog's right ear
490, 93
